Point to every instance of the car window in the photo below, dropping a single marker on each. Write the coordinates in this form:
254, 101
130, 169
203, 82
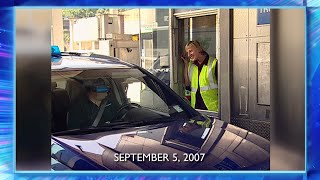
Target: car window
128, 95
141, 94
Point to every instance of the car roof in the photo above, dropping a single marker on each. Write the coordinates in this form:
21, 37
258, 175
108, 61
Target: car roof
83, 61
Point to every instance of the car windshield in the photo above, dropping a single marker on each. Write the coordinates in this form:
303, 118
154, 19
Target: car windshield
95, 98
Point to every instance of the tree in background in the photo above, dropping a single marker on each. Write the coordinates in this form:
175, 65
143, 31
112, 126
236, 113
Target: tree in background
84, 13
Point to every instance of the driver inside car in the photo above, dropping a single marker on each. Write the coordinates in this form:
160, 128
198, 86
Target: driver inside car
96, 109
102, 103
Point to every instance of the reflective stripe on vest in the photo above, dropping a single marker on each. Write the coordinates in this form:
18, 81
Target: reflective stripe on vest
194, 89
211, 86
207, 82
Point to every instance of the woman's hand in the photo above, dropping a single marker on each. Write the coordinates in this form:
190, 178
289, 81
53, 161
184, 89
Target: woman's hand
185, 58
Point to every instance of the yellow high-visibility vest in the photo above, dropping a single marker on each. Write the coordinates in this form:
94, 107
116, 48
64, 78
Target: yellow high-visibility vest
208, 84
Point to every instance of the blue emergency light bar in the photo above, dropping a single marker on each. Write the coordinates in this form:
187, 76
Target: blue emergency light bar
55, 51
55, 54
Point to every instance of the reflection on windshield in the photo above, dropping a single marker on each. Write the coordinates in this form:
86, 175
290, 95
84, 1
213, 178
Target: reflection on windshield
98, 98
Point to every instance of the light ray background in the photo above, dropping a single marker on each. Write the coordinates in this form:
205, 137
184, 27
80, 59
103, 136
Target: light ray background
7, 71
6, 94
313, 90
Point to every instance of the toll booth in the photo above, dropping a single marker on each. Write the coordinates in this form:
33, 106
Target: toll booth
240, 40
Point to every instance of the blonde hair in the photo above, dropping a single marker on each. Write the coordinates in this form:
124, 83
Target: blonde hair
196, 44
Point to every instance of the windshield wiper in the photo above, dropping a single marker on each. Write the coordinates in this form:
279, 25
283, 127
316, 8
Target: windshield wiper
141, 123
87, 130
114, 126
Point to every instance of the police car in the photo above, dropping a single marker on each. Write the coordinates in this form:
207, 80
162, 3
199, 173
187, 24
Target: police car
111, 115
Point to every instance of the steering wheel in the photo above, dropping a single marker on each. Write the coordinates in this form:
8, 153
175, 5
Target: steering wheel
124, 106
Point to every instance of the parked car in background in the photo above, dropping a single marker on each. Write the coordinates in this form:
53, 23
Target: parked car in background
139, 124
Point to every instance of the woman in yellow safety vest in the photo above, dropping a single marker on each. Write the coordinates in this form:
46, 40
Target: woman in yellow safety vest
200, 77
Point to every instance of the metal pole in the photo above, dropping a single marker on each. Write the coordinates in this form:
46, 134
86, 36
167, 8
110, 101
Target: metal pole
224, 67
140, 49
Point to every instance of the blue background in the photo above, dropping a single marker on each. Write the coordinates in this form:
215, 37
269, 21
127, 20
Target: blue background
7, 89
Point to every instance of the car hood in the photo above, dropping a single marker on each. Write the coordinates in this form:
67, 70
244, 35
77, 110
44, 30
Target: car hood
180, 145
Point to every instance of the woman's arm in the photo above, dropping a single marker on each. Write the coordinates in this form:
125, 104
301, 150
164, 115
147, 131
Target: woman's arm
185, 70
186, 77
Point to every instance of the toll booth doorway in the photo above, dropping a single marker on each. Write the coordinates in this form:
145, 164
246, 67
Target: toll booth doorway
204, 30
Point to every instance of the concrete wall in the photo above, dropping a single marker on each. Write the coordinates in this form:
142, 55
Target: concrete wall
86, 29
57, 29
251, 66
